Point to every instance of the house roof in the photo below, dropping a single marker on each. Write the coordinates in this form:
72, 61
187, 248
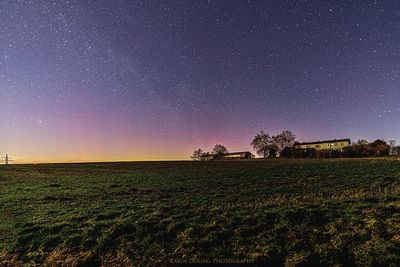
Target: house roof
228, 154
326, 141
237, 153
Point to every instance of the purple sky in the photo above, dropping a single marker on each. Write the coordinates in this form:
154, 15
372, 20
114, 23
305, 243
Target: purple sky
140, 80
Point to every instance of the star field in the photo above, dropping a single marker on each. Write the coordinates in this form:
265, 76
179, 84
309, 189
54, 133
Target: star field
138, 80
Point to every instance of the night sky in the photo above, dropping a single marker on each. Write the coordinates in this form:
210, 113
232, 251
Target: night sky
149, 80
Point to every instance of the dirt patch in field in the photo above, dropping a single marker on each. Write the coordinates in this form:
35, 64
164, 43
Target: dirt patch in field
71, 258
7, 259
83, 258
115, 259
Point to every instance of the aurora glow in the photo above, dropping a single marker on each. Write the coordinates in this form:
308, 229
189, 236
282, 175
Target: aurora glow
150, 80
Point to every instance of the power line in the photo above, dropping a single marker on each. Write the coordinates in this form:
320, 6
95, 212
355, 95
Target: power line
7, 159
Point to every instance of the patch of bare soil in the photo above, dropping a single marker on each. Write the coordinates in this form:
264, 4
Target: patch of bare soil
9, 260
114, 260
83, 258
71, 257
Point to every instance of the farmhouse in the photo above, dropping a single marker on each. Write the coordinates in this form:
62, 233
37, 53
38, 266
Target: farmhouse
228, 156
336, 144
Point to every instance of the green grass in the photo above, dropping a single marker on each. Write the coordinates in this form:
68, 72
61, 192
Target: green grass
293, 212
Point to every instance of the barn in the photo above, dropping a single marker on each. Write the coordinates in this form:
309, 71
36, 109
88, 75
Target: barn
228, 156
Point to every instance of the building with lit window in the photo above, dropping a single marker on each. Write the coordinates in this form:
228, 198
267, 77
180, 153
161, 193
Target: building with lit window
336, 144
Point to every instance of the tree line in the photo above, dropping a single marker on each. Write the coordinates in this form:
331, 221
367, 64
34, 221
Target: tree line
361, 148
218, 150
283, 145
268, 146
264, 144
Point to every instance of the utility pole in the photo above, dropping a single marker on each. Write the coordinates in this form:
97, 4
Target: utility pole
7, 159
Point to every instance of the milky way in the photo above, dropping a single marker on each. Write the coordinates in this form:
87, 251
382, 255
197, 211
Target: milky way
138, 80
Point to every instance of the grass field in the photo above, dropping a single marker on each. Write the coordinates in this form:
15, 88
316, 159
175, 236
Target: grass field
280, 212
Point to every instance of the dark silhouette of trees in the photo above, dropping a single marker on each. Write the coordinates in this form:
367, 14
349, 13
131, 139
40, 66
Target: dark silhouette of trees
268, 146
284, 144
284, 140
361, 148
219, 150
379, 148
262, 144
197, 154
362, 142
291, 152
394, 150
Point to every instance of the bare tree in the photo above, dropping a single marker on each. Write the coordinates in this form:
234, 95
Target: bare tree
219, 150
197, 154
268, 146
284, 140
262, 143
